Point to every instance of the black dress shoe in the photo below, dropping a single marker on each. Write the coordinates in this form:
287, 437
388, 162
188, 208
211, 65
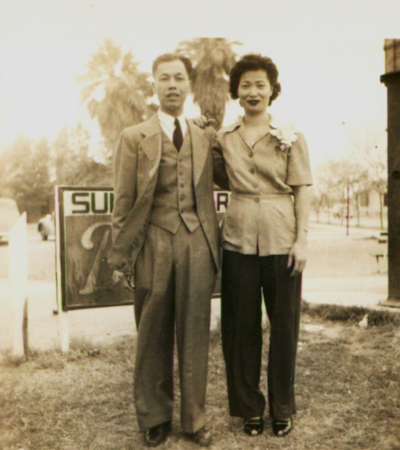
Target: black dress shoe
202, 437
157, 435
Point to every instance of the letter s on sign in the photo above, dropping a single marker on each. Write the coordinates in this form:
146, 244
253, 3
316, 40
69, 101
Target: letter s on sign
84, 203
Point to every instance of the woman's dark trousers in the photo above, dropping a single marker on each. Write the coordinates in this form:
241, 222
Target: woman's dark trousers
243, 277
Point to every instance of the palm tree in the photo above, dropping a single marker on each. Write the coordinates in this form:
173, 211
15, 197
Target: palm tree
73, 164
116, 92
212, 60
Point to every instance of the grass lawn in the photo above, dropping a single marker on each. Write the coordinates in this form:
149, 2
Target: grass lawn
348, 393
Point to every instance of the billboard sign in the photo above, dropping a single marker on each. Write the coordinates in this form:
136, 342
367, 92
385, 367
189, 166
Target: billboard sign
83, 231
83, 236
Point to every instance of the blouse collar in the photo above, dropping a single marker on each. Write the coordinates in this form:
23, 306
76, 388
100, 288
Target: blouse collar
230, 128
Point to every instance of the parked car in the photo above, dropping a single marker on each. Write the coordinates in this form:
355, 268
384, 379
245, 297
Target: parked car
340, 211
9, 214
46, 226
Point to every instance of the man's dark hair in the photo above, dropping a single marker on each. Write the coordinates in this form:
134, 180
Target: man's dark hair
253, 62
168, 57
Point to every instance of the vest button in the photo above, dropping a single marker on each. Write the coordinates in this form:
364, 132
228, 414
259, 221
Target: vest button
182, 185
257, 200
251, 154
182, 197
252, 170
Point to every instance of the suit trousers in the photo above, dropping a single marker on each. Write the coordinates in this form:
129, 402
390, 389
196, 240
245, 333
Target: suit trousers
243, 277
174, 279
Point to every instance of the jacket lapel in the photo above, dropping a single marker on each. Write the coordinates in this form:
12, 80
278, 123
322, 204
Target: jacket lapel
151, 146
150, 154
200, 146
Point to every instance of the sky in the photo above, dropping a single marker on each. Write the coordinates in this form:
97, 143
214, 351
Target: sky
329, 54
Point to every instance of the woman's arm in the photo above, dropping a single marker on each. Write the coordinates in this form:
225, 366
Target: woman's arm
298, 253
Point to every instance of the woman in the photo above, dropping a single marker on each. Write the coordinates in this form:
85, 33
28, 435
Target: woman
264, 247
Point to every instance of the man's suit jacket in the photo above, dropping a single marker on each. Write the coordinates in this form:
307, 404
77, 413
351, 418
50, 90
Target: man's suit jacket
136, 164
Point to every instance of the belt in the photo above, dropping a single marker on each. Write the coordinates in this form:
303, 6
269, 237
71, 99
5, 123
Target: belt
255, 198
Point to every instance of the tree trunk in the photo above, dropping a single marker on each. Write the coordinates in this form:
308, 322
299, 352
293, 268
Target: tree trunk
358, 209
348, 211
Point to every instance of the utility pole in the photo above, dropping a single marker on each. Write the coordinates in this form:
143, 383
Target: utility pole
391, 79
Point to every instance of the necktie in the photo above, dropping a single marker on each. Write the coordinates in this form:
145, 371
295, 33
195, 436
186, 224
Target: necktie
177, 137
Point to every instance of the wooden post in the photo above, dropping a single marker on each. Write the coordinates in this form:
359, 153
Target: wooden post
62, 315
391, 79
18, 275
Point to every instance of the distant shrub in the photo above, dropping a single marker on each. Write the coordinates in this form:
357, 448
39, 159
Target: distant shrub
376, 318
352, 314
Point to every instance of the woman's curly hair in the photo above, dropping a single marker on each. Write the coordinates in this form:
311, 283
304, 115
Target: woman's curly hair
253, 62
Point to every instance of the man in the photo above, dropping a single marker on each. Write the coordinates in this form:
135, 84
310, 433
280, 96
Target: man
165, 231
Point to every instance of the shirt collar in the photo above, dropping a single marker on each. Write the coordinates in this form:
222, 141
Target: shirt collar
169, 121
239, 123
233, 127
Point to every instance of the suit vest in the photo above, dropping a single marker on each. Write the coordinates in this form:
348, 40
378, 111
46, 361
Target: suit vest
174, 198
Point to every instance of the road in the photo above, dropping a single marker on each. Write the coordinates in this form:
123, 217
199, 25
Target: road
340, 270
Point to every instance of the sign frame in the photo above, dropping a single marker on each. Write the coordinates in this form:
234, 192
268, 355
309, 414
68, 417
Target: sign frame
65, 300
64, 258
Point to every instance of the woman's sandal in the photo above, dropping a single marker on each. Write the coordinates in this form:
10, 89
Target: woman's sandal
254, 426
282, 427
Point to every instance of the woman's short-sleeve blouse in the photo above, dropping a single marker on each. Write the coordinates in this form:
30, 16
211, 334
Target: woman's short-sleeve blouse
260, 218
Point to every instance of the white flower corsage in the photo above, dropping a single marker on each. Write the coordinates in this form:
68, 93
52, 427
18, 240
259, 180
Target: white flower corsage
285, 133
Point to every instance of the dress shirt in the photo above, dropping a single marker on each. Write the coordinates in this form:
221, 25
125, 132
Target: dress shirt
167, 123
260, 218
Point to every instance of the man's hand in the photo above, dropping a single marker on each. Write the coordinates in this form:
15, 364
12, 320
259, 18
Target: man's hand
128, 279
203, 121
297, 258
